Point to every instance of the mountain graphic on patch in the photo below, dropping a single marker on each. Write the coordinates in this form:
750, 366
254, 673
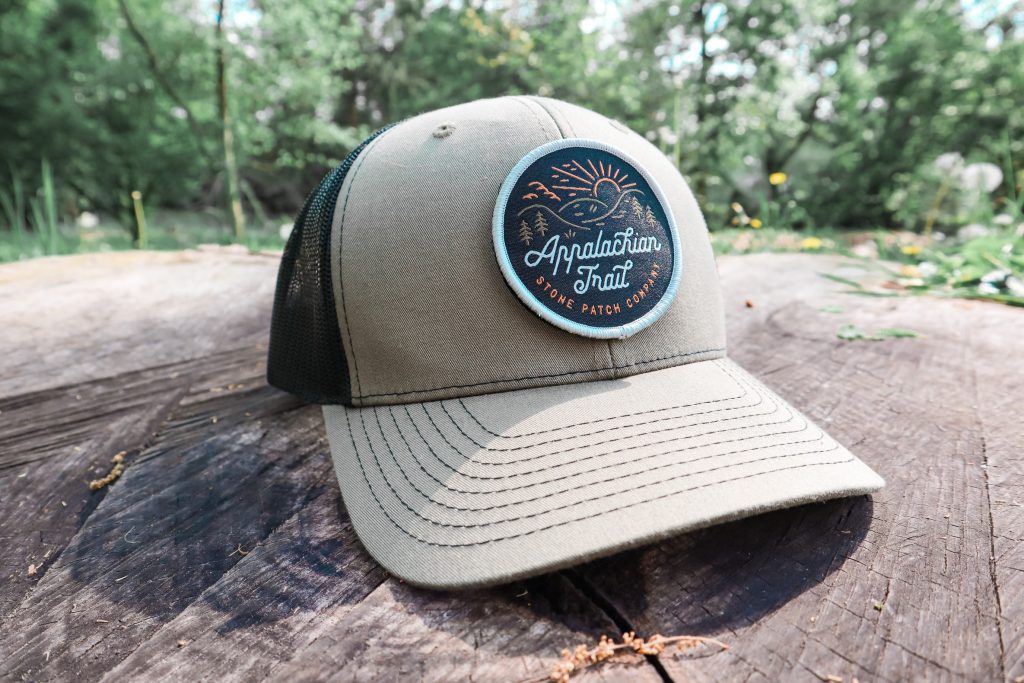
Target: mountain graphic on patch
585, 239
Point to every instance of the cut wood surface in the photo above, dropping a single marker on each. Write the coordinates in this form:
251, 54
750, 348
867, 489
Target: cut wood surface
224, 551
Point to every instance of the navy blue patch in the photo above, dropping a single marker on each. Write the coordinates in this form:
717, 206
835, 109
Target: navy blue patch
584, 237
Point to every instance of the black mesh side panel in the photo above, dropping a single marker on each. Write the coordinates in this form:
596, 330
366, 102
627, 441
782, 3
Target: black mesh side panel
306, 356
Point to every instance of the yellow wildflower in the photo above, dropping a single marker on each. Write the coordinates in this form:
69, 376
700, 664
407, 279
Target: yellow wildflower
777, 178
910, 249
810, 243
755, 223
909, 271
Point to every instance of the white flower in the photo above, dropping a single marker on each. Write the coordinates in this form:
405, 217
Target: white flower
1015, 285
938, 236
1003, 219
950, 163
927, 269
285, 231
995, 276
87, 220
866, 250
972, 231
982, 176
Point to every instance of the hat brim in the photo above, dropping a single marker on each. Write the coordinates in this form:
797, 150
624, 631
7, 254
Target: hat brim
486, 489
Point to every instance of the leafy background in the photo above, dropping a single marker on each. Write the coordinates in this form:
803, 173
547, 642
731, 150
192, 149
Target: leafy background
884, 128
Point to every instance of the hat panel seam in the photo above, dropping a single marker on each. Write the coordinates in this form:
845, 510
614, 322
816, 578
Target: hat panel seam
609, 348
525, 102
341, 271
558, 126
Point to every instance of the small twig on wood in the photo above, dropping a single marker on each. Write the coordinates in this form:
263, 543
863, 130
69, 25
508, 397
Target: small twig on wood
239, 550
126, 534
581, 657
115, 472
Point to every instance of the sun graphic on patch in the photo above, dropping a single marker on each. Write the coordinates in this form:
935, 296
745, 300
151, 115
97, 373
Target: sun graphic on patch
585, 238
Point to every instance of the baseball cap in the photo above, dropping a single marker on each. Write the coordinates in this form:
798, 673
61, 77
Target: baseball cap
510, 312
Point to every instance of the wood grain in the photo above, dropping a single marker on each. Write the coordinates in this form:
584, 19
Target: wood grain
224, 551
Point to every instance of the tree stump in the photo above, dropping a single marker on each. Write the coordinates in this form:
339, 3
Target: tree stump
224, 551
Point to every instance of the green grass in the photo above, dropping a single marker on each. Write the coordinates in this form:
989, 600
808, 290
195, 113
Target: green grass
167, 231
989, 267
750, 240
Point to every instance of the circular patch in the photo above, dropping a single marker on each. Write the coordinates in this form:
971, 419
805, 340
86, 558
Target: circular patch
584, 237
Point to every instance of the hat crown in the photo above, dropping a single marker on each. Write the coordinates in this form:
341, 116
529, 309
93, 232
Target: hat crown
423, 309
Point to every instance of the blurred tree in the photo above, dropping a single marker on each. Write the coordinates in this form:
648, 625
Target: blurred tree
227, 128
851, 99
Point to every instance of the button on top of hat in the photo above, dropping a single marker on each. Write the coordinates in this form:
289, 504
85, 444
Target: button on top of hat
584, 237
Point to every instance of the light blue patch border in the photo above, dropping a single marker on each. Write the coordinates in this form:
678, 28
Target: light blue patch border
528, 298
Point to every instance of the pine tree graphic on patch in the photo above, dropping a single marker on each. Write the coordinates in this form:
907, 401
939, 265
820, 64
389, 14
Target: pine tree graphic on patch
540, 224
650, 219
525, 234
637, 209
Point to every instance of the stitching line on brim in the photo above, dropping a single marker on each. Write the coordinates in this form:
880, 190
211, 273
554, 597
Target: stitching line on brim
511, 449
373, 493
444, 485
684, 475
471, 456
683, 437
560, 374
560, 428
468, 459
480, 448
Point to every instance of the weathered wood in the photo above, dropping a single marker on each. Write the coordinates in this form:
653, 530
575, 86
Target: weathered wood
224, 551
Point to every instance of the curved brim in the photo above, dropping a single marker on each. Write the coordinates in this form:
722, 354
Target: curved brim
487, 489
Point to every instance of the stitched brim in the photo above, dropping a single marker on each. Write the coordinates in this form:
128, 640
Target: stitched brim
487, 489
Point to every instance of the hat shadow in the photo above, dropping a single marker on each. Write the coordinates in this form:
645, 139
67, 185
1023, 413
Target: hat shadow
730, 575
699, 583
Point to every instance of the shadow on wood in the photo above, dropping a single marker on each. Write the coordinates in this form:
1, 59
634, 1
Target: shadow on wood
729, 576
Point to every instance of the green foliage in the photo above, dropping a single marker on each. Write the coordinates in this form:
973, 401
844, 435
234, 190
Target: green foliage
851, 332
853, 101
13, 205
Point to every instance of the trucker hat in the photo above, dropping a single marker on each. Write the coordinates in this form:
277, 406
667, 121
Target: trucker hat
510, 313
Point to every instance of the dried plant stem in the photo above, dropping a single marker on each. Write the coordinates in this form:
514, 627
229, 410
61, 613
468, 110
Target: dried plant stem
581, 657
115, 472
140, 220
933, 214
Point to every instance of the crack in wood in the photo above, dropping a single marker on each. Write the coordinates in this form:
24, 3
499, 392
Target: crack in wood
621, 621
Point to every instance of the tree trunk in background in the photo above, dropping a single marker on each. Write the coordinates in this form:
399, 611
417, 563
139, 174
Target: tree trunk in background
230, 164
700, 175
